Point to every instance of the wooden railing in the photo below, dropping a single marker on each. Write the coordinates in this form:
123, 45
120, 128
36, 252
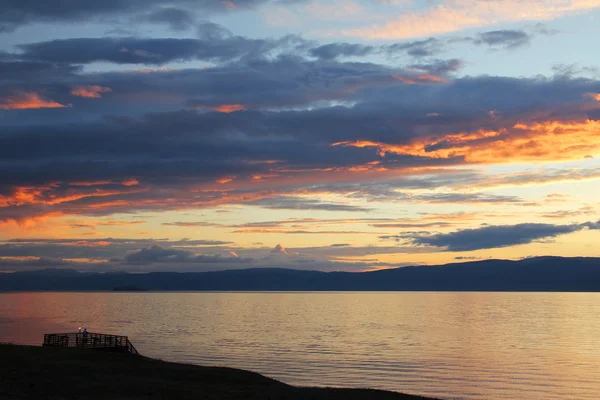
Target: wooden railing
90, 341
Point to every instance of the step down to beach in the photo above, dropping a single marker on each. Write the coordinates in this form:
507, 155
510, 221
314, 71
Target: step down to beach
92, 341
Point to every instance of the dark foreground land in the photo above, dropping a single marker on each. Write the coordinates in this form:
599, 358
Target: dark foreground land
58, 373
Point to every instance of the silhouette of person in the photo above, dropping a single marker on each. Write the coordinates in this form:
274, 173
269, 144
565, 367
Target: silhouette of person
85, 333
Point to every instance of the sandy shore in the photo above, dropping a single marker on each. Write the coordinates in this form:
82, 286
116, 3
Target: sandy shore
28, 372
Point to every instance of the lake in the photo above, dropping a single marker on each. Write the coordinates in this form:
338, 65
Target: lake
447, 345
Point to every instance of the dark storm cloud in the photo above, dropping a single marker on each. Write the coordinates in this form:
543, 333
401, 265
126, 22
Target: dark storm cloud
254, 82
335, 50
35, 264
216, 43
503, 38
208, 145
420, 48
417, 49
38, 263
105, 248
291, 117
145, 51
145, 255
157, 253
15, 13
16, 72
306, 82
430, 47
440, 67
490, 237
175, 18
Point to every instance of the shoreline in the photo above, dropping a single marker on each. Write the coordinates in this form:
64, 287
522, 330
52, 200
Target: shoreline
69, 373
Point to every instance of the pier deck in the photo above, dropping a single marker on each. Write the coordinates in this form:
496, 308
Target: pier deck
95, 341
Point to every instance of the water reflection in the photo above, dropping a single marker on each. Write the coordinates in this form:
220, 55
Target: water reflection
452, 345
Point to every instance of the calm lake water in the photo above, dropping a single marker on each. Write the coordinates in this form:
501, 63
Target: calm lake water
447, 345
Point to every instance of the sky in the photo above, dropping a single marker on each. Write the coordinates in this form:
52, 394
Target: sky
354, 135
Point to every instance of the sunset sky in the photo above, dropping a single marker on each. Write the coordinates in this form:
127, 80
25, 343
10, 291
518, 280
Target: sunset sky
195, 135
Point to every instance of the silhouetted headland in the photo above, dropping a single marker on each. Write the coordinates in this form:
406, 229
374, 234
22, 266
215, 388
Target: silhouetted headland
548, 274
28, 372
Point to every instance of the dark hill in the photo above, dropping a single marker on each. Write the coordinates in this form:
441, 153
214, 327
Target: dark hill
534, 274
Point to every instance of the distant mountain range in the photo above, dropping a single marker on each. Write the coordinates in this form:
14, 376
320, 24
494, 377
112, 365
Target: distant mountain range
533, 274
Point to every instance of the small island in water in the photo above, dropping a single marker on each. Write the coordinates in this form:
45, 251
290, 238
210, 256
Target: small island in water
30, 372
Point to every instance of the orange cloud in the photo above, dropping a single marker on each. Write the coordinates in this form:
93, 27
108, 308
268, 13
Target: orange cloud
130, 182
93, 91
595, 96
90, 183
263, 176
127, 182
27, 100
223, 108
85, 243
228, 108
457, 15
48, 195
423, 78
226, 179
29, 223
551, 140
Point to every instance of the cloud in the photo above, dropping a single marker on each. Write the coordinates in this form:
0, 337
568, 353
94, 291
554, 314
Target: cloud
594, 96
555, 140
457, 15
279, 249
295, 203
420, 48
99, 249
218, 45
92, 91
15, 13
504, 38
296, 232
27, 72
228, 108
425, 48
141, 51
490, 237
334, 50
176, 19
147, 255
159, 254
27, 100
309, 126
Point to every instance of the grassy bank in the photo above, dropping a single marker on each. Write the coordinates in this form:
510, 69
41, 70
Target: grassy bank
40, 372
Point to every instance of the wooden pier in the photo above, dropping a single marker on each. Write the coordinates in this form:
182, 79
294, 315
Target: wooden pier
94, 341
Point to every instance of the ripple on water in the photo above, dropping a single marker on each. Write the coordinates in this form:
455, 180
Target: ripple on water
450, 345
